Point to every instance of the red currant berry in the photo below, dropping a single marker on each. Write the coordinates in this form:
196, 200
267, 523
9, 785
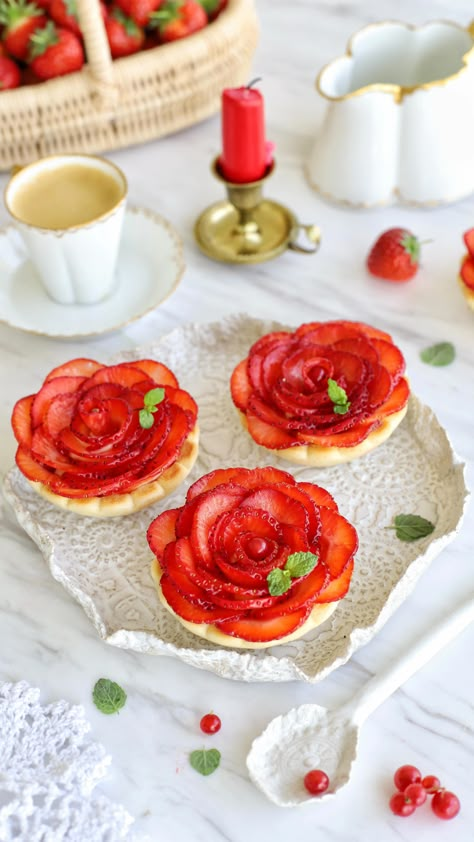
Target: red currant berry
431, 783
316, 782
416, 793
406, 775
445, 804
400, 805
210, 723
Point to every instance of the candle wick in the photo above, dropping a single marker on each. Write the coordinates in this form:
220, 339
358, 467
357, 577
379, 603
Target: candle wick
254, 81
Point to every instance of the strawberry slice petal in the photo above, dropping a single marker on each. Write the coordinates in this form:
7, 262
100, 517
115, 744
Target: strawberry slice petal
21, 420
467, 271
189, 612
32, 469
338, 541
390, 357
125, 374
245, 477
265, 631
81, 367
319, 495
51, 388
240, 385
280, 506
158, 372
337, 588
349, 438
302, 594
397, 400
211, 506
468, 238
162, 532
268, 340
270, 437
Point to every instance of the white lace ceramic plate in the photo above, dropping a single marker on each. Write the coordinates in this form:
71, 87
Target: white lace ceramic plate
105, 565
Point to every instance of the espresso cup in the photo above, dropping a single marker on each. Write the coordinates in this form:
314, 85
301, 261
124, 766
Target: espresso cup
69, 212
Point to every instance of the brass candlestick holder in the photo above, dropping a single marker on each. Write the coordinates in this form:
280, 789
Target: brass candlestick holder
248, 228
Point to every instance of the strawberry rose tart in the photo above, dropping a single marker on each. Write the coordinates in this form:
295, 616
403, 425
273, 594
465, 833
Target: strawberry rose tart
106, 440
253, 558
326, 393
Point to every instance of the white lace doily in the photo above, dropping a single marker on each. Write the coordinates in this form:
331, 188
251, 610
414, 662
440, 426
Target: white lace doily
105, 564
48, 771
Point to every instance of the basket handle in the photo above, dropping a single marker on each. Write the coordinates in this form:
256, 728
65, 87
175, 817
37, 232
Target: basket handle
97, 47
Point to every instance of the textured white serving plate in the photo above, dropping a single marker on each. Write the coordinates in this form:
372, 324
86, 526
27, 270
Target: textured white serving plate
105, 565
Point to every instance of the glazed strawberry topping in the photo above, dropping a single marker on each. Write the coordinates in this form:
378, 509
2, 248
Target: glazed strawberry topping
81, 434
284, 385
236, 527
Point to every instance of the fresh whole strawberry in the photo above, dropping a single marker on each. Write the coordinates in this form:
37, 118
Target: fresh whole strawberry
177, 19
64, 13
55, 51
395, 256
20, 20
124, 36
139, 10
9, 73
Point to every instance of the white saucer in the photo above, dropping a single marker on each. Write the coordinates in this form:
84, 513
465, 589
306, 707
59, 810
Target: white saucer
149, 268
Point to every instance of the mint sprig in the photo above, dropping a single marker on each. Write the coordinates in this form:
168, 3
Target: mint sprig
279, 580
205, 761
338, 396
411, 527
150, 404
443, 353
108, 696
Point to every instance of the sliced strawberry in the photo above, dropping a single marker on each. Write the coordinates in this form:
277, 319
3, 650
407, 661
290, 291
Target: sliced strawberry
211, 505
338, 588
467, 271
350, 438
330, 332
162, 531
44, 450
269, 339
394, 403
379, 387
390, 357
240, 385
361, 327
268, 436
187, 610
59, 414
231, 534
80, 367
280, 506
31, 469
319, 495
245, 477
180, 578
468, 238
296, 492
51, 388
303, 594
182, 399
125, 374
265, 631
361, 347
296, 539
338, 541
158, 372
21, 420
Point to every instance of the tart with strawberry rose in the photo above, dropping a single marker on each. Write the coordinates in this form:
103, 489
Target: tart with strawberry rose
253, 558
104, 440
326, 393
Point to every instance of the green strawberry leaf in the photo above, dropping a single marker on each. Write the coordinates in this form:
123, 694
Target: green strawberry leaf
205, 761
299, 564
411, 527
443, 353
279, 581
338, 396
411, 244
108, 696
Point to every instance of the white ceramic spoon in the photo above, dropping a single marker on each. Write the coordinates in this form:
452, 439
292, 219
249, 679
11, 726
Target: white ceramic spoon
313, 737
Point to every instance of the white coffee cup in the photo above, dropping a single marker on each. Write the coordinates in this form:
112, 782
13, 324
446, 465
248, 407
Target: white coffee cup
69, 211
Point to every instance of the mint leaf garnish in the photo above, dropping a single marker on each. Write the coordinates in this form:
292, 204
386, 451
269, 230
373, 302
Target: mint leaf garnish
108, 696
338, 396
299, 564
443, 353
411, 527
150, 400
205, 761
279, 581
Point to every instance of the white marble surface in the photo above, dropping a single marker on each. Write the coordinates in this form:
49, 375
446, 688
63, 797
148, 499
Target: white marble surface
47, 640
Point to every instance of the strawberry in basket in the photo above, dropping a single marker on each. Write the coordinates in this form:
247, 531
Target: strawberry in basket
253, 558
20, 20
55, 51
106, 440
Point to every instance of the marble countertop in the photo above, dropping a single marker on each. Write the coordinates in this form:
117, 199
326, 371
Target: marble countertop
47, 639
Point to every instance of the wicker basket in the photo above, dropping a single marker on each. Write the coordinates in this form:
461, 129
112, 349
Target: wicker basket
110, 104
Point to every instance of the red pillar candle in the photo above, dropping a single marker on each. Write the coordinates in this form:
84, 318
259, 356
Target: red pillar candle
244, 151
